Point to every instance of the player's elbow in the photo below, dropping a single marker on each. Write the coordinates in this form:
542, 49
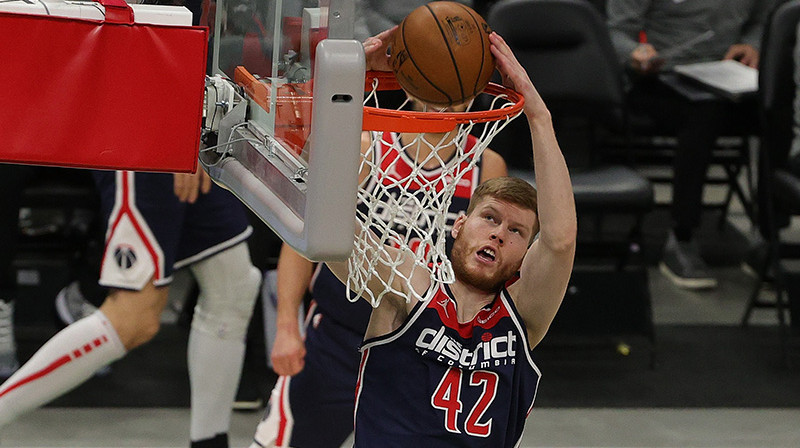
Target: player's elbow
562, 239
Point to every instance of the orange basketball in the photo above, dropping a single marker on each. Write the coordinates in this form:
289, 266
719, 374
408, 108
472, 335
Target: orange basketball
440, 53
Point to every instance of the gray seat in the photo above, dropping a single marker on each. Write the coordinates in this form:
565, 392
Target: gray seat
778, 186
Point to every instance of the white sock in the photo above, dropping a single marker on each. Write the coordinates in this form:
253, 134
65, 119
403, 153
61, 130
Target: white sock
215, 365
68, 359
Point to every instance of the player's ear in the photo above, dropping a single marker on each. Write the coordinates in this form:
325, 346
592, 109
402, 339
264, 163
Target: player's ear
457, 225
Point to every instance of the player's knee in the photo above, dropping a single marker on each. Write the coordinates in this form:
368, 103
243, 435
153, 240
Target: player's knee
147, 329
227, 298
135, 315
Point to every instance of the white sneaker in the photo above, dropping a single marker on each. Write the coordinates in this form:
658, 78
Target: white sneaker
71, 306
8, 348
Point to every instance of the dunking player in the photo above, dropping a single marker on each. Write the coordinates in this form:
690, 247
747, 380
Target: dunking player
150, 232
455, 369
312, 403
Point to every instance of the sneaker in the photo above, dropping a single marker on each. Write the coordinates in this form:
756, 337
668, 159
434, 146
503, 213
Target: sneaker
8, 348
71, 306
682, 264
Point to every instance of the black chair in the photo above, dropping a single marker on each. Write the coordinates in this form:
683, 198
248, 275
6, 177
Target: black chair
565, 47
778, 187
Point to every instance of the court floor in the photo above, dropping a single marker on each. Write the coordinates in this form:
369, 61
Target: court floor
546, 428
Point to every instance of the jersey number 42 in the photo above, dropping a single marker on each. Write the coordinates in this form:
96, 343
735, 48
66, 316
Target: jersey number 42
447, 397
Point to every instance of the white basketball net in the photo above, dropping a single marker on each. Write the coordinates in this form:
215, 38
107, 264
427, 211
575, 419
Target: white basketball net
412, 217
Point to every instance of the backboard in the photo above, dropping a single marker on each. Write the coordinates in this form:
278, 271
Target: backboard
287, 102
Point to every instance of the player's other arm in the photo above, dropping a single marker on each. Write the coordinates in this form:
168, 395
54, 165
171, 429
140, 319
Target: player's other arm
294, 275
547, 266
493, 165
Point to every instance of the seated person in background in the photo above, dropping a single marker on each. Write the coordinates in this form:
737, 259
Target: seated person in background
681, 32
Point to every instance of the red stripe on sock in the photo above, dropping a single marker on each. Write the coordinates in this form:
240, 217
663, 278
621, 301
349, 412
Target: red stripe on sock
47, 370
55, 365
97, 342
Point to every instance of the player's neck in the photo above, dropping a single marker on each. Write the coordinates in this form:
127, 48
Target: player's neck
469, 300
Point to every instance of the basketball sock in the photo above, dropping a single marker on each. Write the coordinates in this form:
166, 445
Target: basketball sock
68, 359
215, 365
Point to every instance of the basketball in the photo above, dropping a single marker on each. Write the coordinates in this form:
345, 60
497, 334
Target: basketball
440, 53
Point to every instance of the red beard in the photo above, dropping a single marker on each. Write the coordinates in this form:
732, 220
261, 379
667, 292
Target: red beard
488, 283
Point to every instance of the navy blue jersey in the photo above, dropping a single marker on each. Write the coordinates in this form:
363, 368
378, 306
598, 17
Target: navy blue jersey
437, 382
326, 289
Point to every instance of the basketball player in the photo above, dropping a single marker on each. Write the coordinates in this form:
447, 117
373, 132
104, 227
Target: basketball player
156, 223
312, 403
455, 369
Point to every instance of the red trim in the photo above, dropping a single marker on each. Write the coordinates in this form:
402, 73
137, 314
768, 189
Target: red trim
125, 209
359, 382
486, 318
282, 422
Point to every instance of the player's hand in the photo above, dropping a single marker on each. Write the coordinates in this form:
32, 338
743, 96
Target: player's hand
188, 187
646, 60
744, 53
516, 78
288, 354
375, 50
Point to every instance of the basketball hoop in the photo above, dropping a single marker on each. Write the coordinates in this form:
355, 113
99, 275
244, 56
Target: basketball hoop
408, 210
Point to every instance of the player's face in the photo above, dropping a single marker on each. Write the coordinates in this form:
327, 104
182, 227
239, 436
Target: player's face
490, 243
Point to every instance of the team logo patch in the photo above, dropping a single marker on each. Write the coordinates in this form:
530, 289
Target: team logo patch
125, 256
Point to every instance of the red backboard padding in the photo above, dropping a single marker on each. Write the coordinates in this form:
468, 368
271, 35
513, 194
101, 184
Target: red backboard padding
83, 93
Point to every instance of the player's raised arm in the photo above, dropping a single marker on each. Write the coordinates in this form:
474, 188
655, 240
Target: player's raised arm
547, 266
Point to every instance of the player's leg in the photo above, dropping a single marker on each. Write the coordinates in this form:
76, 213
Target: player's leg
126, 320
134, 265
228, 284
214, 245
315, 407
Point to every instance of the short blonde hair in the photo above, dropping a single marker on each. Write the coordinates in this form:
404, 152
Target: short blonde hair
507, 189
512, 190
